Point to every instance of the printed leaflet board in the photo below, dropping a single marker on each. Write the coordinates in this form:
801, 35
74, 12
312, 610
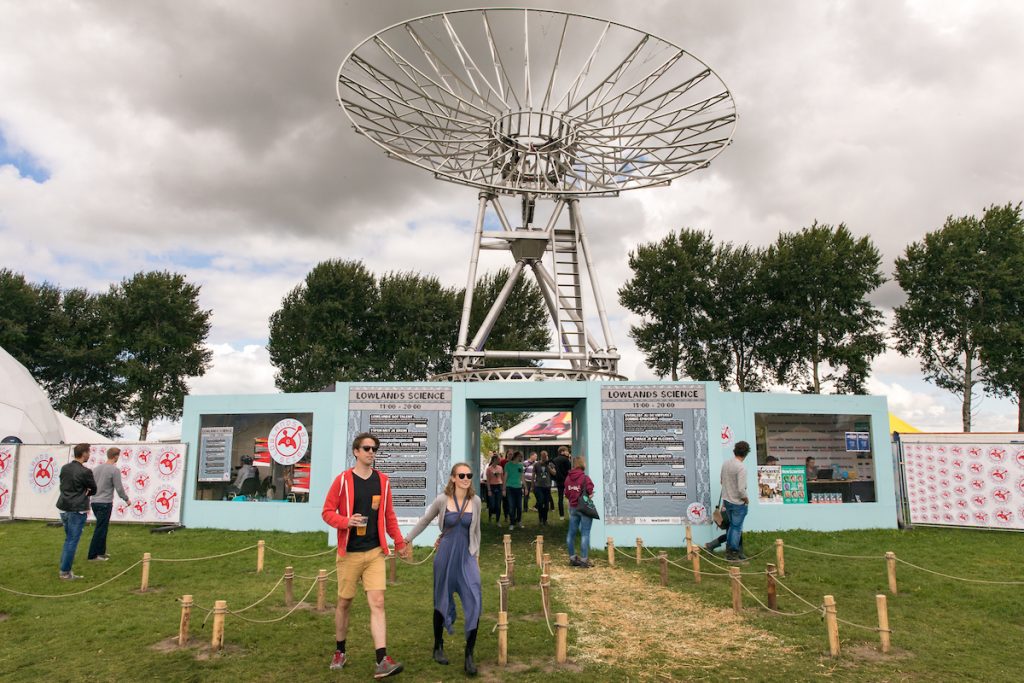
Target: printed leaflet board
655, 446
36, 484
414, 425
153, 476
769, 484
8, 460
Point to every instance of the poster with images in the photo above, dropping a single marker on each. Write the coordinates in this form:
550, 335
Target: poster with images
769, 484
414, 425
794, 484
153, 476
655, 444
8, 459
37, 477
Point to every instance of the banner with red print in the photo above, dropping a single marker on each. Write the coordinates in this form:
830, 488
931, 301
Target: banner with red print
153, 476
37, 481
8, 459
965, 480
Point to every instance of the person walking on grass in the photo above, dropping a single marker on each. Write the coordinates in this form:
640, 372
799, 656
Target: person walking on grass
359, 506
493, 476
76, 485
456, 571
734, 497
562, 465
542, 487
578, 484
514, 490
108, 480
528, 468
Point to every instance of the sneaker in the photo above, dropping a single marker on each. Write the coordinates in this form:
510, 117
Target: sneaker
99, 558
338, 660
104, 556
521, 526
387, 667
574, 561
70, 576
511, 527
585, 563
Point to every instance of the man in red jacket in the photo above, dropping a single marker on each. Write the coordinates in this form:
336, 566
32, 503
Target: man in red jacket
359, 506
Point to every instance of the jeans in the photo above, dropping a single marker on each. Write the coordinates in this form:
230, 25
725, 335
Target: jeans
579, 522
494, 501
543, 503
74, 522
515, 504
98, 545
733, 535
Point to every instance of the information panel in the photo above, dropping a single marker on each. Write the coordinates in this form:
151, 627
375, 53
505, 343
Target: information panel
655, 454
215, 453
414, 425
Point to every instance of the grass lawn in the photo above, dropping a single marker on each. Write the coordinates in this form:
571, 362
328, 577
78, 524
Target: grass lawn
943, 630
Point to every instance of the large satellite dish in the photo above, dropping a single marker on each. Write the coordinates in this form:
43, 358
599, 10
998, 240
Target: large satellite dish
538, 104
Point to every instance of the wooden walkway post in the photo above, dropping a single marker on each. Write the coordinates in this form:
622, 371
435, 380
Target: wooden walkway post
539, 551
545, 595
507, 540
639, 549
260, 548
561, 637
696, 566
547, 563
220, 608
780, 558
737, 591
773, 599
503, 593
186, 619
663, 561
689, 541
890, 565
289, 595
502, 638
145, 572
832, 624
883, 621
511, 564
611, 552
393, 568
321, 590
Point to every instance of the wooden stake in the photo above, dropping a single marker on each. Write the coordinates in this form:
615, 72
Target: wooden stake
145, 572
511, 570
780, 557
611, 552
545, 587
502, 638
289, 595
539, 551
737, 591
832, 624
663, 560
321, 590
393, 568
890, 564
639, 549
503, 593
260, 547
689, 541
186, 619
696, 567
883, 621
220, 608
773, 599
561, 637
547, 563
507, 540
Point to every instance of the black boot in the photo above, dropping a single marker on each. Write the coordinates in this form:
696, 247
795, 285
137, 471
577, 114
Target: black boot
470, 644
439, 655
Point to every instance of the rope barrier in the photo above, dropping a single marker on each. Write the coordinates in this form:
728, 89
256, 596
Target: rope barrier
846, 557
281, 552
276, 619
798, 596
412, 563
199, 559
547, 617
269, 593
866, 628
961, 578
820, 608
68, 595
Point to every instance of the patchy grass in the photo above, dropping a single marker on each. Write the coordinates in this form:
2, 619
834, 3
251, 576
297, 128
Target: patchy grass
624, 625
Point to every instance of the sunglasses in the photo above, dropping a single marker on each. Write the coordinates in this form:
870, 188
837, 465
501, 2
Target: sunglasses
369, 449
464, 475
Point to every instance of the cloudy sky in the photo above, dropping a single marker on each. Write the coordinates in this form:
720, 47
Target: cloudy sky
205, 138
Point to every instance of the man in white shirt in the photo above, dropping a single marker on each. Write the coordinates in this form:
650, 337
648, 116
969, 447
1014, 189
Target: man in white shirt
734, 497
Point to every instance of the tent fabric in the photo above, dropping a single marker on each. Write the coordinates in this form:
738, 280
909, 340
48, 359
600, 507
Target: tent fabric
76, 432
539, 428
25, 410
898, 425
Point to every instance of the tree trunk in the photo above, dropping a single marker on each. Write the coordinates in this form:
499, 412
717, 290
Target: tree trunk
965, 408
814, 370
144, 430
1020, 410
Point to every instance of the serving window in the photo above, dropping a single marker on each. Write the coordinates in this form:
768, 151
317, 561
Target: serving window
814, 458
260, 457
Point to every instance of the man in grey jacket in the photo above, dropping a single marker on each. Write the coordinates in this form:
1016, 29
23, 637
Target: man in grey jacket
108, 480
734, 495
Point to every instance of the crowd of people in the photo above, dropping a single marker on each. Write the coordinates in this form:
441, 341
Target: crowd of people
508, 482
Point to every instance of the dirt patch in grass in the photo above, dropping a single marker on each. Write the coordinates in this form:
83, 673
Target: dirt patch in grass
200, 650
3, 616
493, 672
620, 618
873, 653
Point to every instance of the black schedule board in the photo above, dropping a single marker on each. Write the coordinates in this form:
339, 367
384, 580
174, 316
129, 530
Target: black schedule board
655, 447
414, 426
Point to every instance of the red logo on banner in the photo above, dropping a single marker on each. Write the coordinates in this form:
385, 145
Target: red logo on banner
726, 435
961, 490
164, 502
168, 464
5, 495
126, 472
126, 455
5, 457
139, 507
697, 513
997, 454
981, 517
961, 503
1002, 495
958, 476
41, 474
974, 452
979, 501
976, 467
998, 474
956, 450
958, 463
1019, 457
977, 484
288, 441
141, 481
144, 456
1003, 516
122, 508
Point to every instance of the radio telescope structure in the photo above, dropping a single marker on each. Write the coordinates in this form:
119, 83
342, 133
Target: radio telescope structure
548, 108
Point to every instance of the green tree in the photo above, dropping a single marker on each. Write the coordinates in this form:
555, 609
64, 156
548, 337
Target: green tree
1001, 338
417, 319
161, 331
523, 323
818, 280
324, 330
27, 313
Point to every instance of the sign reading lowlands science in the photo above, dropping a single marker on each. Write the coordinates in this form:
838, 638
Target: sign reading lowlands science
414, 425
655, 445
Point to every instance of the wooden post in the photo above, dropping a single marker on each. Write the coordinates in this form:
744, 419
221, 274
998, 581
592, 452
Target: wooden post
737, 591
832, 625
890, 564
502, 638
780, 557
539, 551
561, 637
883, 622
545, 587
696, 567
393, 568
773, 599
321, 590
547, 563
503, 593
689, 541
639, 549
145, 572
186, 619
611, 552
260, 548
663, 560
289, 596
511, 564
507, 540
220, 608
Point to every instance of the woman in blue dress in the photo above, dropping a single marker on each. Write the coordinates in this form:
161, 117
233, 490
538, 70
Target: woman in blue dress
455, 565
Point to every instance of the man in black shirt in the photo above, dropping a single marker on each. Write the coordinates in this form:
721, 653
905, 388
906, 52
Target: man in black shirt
562, 465
76, 485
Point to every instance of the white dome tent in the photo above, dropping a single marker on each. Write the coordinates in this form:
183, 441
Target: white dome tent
25, 410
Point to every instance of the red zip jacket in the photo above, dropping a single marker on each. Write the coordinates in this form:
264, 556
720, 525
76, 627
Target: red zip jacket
338, 508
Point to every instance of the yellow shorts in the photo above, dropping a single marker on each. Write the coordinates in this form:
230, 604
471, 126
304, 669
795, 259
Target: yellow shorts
367, 566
